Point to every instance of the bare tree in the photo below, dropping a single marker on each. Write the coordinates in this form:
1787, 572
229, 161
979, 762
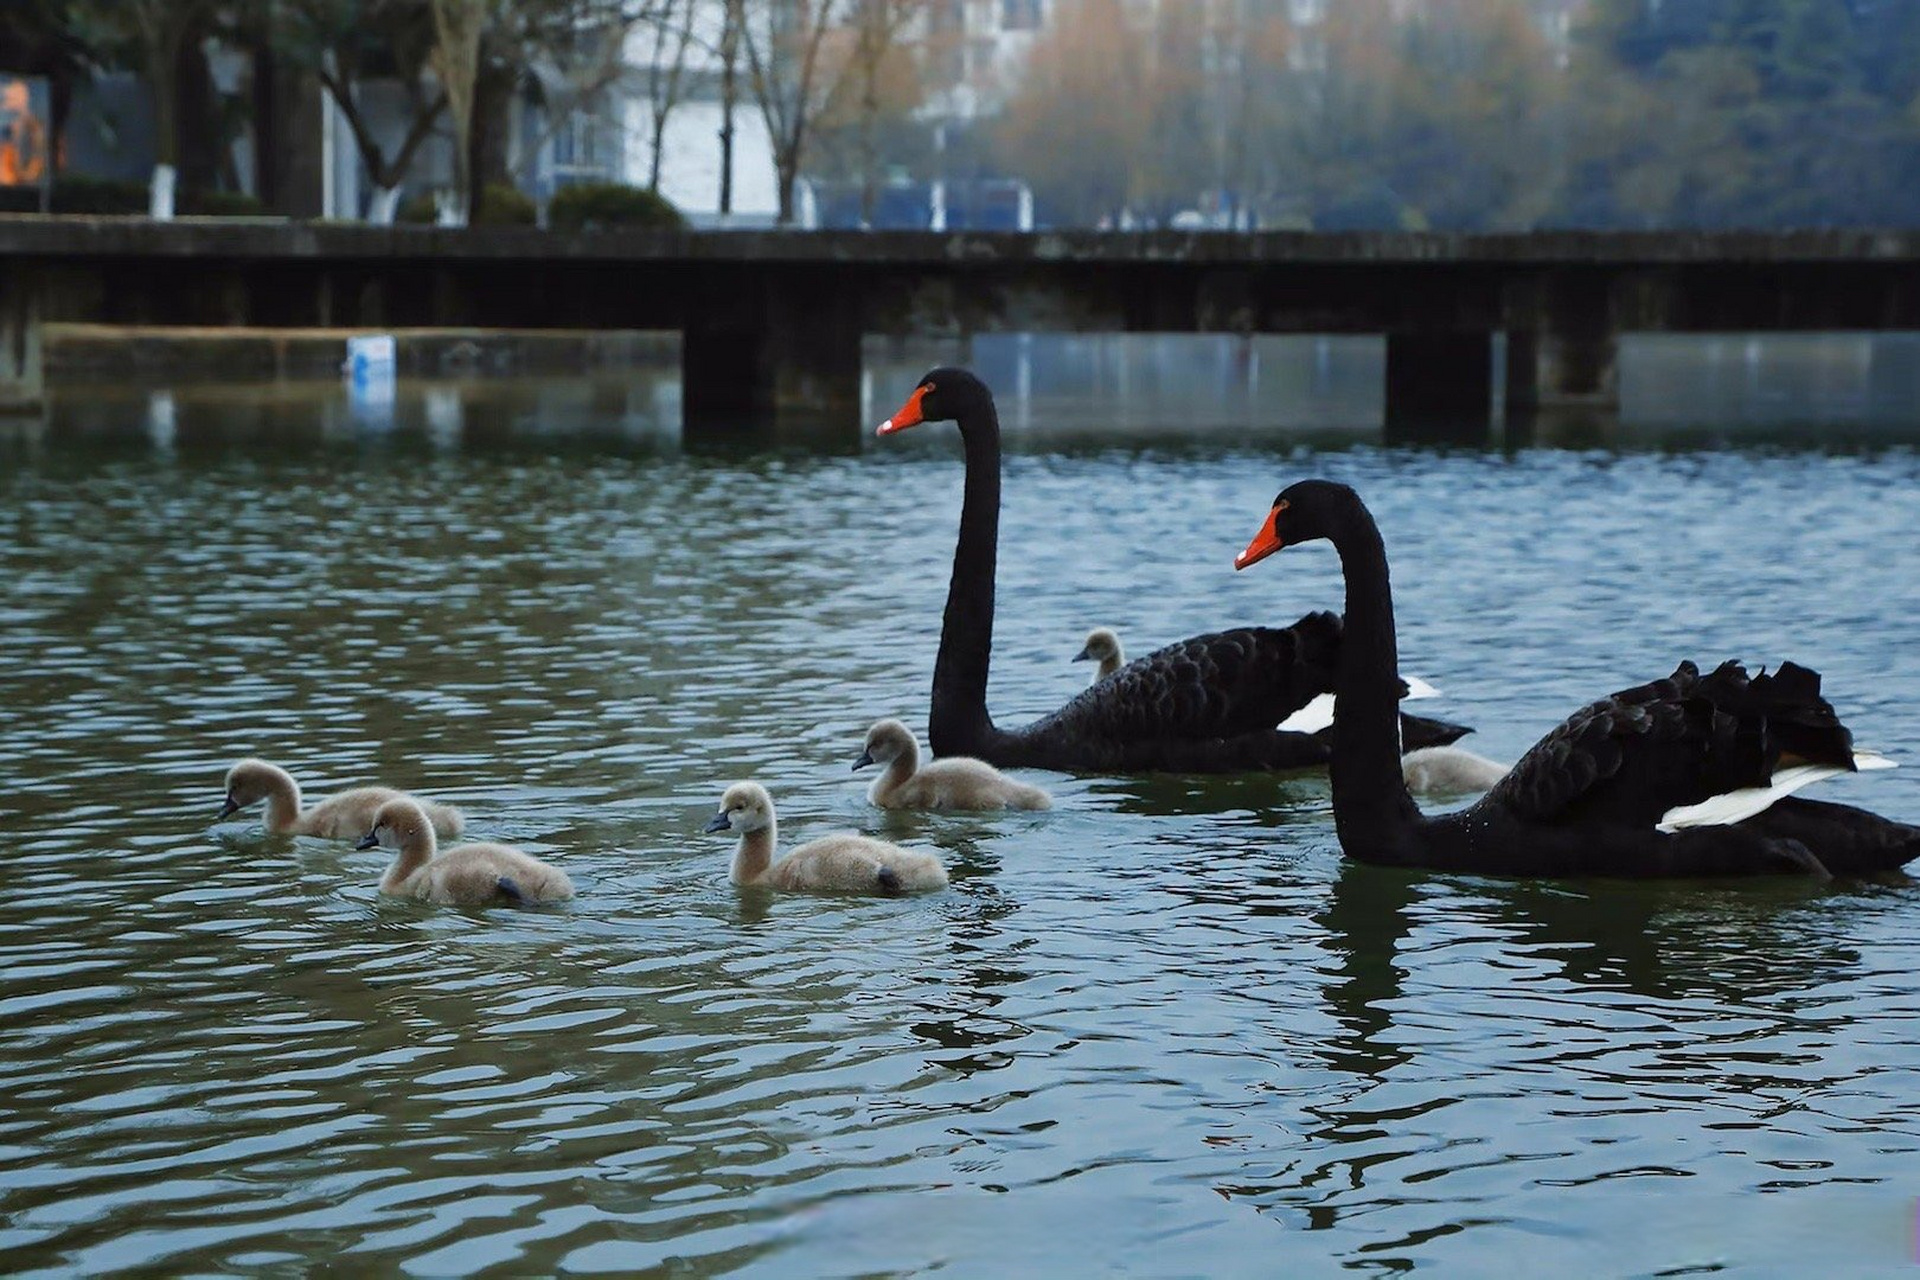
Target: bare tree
346, 42
671, 36
580, 42
458, 26
878, 25
595, 60
733, 23
790, 79
158, 30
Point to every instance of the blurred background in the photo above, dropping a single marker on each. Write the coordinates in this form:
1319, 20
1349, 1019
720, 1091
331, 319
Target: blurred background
947, 114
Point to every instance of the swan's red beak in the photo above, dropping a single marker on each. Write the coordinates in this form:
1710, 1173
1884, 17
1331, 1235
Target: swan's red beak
909, 415
1264, 543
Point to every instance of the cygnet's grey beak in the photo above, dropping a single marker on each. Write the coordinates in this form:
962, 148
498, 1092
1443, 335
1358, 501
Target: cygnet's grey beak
719, 823
367, 841
228, 809
866, 758
1083, 656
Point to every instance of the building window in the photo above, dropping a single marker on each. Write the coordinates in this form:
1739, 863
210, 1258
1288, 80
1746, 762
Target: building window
577, 149
1020, 15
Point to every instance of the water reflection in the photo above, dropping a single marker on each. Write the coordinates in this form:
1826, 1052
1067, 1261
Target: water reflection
629, 409
1059, 392
1165, 1012
1463, 1009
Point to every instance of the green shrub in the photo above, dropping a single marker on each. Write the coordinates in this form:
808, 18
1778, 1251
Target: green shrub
417, 208
78, 193
218, 204
501, 205
610, 204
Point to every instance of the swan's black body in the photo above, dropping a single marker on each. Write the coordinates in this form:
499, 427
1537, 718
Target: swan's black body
1587, 799
1208, 704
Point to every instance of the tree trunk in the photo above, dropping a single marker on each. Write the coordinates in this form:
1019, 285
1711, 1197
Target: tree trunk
456, 58
387, 174
266, 126
786, 163
383, 207
729, 90
162, 65
492, 120
869, 140
204, 158
659, 138
160, 189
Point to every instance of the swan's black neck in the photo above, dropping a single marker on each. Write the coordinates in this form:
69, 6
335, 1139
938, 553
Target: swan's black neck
958, 723
1371, 808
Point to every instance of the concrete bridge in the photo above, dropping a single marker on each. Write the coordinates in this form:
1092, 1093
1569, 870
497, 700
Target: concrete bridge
772, 321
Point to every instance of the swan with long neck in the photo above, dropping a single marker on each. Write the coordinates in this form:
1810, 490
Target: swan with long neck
1686, 776
1209, 704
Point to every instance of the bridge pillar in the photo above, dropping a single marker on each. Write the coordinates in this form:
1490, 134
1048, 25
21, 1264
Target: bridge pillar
1560, 372
795, 357
22, 385
1439, 387
1563, 347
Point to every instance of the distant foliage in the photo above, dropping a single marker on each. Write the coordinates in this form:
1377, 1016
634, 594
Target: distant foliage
596, 204
1687, 113
1748, 113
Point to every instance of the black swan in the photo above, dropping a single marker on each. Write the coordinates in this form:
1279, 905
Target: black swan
1686, 776
1209, 704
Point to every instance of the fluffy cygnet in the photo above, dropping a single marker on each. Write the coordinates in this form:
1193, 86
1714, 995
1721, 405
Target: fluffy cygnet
1449, 770
1103, 647
958, 782
466, 874
341, 817
831, 864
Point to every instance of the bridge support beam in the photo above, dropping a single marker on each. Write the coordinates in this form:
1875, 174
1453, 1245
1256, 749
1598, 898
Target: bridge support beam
1563, 346
1562, 374
794, 358
1439, 387
22, 382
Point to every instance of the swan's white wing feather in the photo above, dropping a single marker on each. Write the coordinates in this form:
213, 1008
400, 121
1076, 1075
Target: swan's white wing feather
1312, 718
1318, 714
1738, 806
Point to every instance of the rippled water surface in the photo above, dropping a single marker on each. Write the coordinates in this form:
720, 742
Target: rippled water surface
1164, 1028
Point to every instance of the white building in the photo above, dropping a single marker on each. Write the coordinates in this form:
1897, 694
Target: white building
690, 145
972, 52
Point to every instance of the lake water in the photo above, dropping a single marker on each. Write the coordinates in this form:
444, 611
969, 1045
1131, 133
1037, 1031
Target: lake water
1162, 1029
